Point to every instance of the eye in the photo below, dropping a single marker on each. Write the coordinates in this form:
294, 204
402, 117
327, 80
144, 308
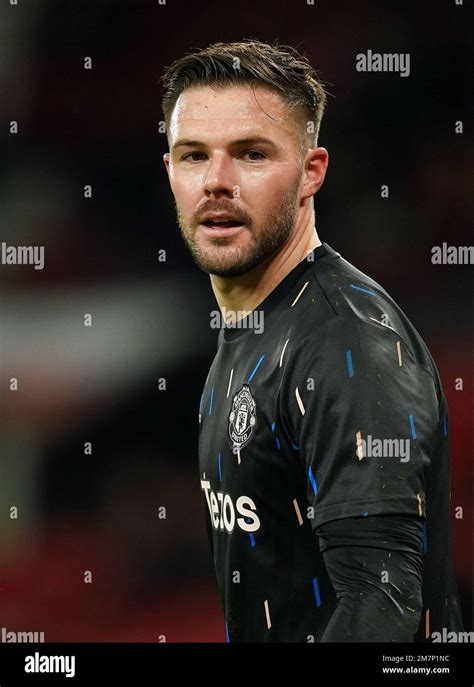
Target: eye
255, 152
185, 157
256, 155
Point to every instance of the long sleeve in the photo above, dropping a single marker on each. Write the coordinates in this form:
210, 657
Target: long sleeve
375, 566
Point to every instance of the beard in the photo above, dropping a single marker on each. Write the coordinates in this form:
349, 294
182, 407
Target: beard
219, 257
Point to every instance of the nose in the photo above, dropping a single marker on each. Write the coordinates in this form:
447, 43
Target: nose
220, 179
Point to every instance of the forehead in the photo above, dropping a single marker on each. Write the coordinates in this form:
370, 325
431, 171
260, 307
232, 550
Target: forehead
233, 109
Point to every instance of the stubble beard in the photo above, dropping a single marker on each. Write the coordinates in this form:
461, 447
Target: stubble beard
233, 261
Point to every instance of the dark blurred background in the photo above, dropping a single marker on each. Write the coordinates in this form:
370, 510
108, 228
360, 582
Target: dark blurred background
99, 510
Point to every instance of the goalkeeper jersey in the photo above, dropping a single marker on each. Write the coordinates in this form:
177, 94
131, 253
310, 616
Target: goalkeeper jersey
324, 403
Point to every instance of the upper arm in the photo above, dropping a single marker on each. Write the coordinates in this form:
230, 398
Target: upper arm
358, 383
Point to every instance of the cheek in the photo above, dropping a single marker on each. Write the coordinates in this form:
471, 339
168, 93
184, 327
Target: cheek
268, 195
268, 186
185, 191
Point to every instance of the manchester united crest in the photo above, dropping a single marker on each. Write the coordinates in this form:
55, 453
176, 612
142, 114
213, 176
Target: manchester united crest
242, 418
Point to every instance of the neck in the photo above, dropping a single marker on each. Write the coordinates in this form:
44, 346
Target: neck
244, 293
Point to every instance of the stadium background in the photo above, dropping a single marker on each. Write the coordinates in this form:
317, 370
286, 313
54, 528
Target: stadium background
153, 577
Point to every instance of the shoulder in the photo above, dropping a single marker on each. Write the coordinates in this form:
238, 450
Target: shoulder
348, 336
341, 303
357, 360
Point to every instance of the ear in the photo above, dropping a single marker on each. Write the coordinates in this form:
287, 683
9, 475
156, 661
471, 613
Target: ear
166, 160
314, 170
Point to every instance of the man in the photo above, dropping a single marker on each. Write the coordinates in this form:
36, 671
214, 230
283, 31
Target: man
324, 443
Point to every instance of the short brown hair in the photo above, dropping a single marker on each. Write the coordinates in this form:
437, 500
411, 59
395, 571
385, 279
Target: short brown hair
277, 67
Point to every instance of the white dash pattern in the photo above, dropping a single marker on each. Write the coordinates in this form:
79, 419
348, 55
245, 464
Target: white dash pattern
300, 402
267, 613
298, 512
230, 382
283, 352
297, 297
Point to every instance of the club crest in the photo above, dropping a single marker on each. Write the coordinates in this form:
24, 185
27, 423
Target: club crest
242, 418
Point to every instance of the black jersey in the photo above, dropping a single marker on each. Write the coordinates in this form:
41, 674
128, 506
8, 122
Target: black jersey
322, 404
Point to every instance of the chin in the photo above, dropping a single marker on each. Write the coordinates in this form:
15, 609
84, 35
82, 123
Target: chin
236, 271
221, 268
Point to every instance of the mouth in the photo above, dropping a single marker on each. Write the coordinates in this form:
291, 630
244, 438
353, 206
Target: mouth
213, 227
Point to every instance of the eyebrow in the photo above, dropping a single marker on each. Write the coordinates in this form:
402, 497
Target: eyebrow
251, 140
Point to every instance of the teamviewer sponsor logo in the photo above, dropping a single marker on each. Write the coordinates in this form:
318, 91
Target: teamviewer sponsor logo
38, 663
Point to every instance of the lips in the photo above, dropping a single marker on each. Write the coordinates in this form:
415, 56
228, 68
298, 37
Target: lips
221, 229
222, 223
